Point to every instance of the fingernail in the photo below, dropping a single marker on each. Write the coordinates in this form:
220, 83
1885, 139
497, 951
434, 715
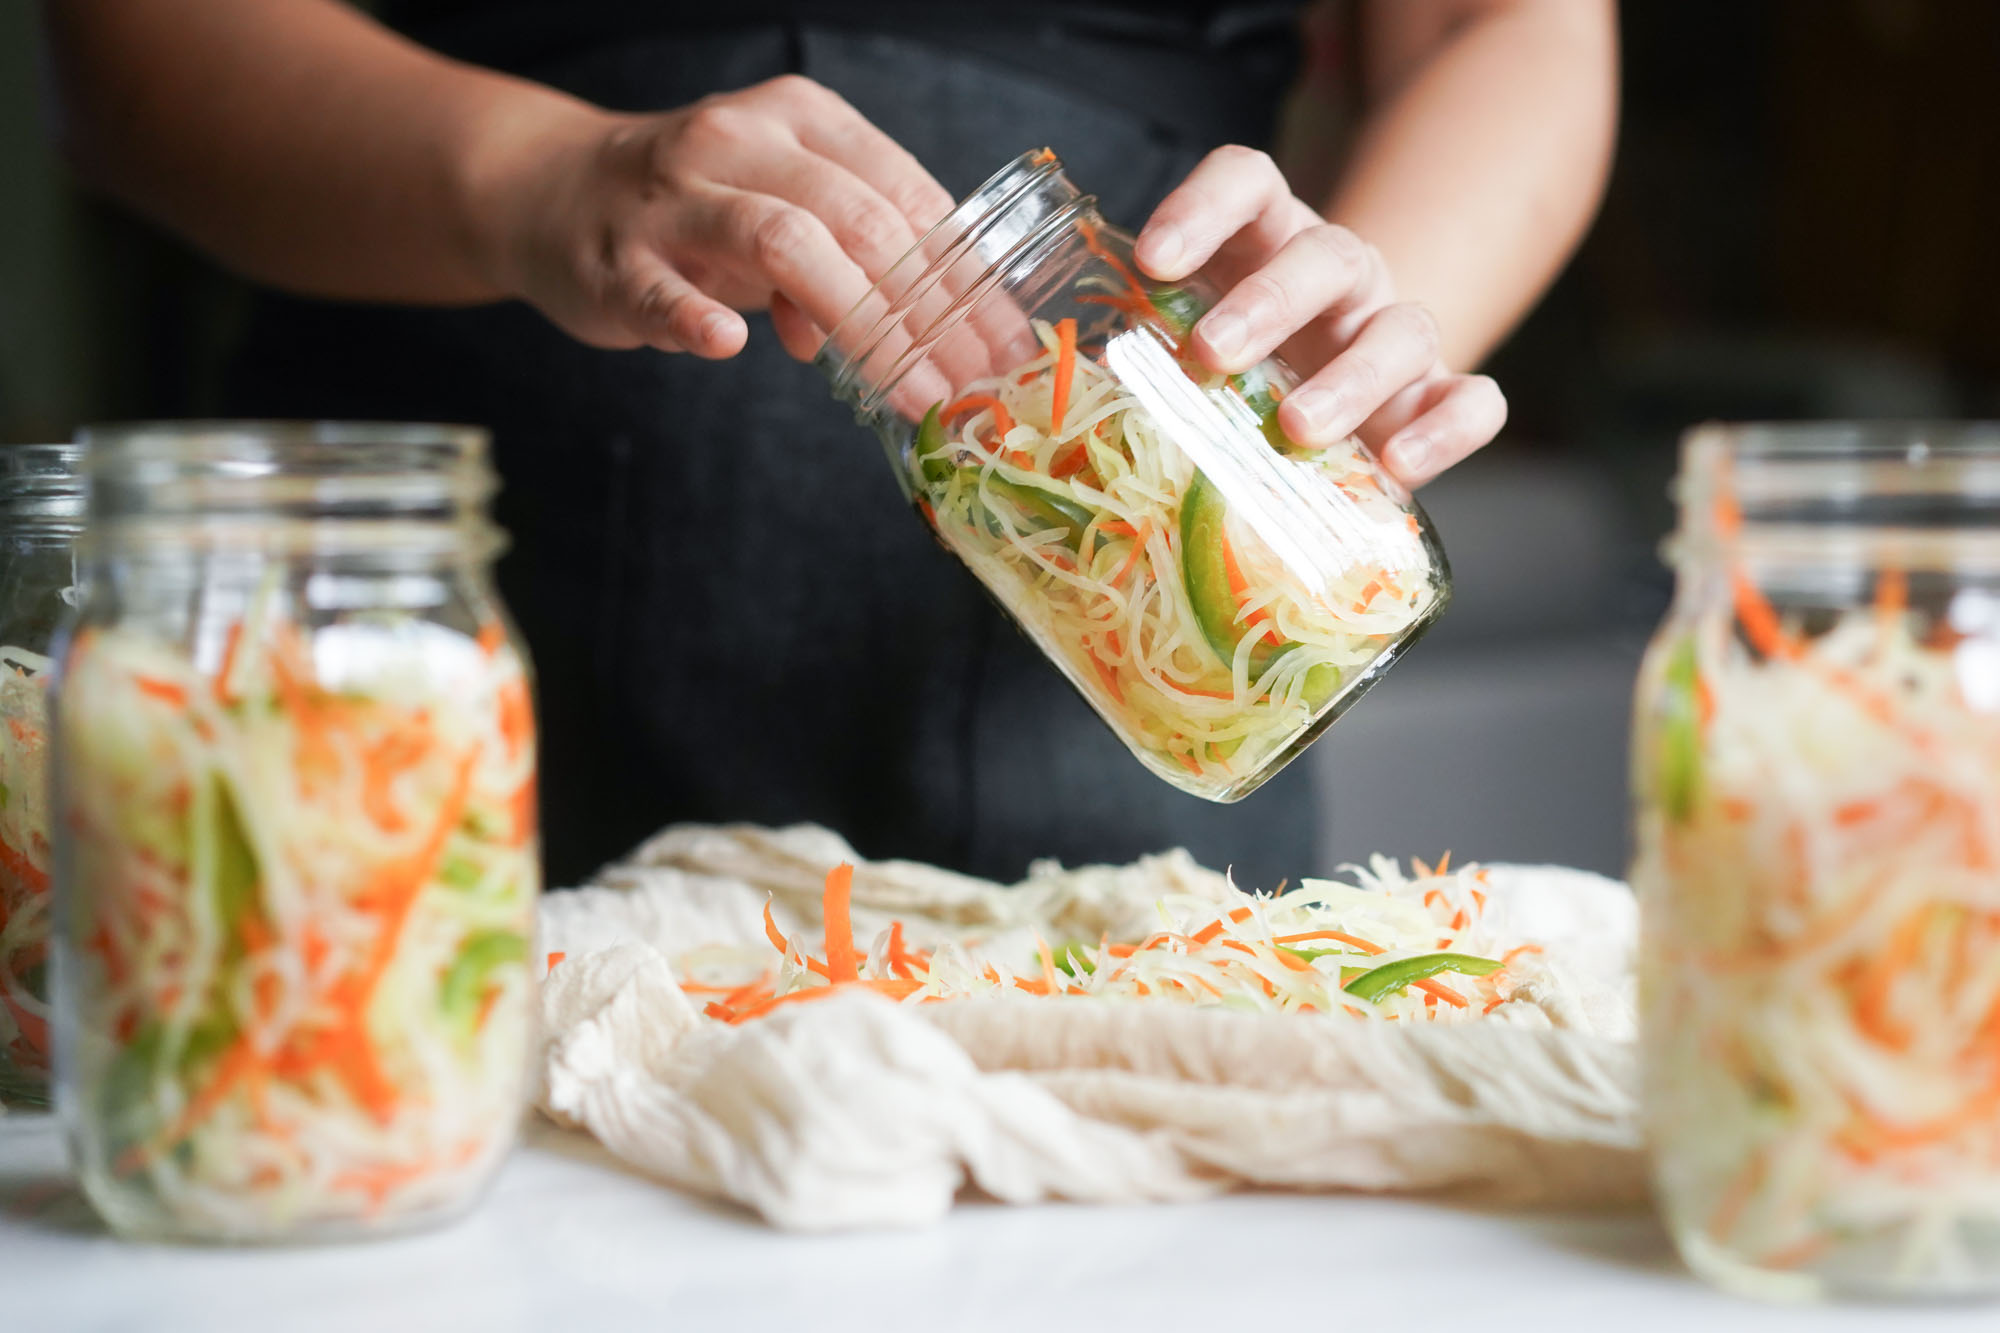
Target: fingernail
1224, 334
1164, 248
714, 328
1411, 456
1317, 409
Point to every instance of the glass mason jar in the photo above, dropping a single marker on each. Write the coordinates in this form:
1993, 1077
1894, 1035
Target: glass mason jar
295, 765
41, 516
1217, 593
1817, 778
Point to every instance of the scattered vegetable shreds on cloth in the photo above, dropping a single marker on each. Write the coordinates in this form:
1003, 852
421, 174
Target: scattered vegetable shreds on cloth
1109, 1034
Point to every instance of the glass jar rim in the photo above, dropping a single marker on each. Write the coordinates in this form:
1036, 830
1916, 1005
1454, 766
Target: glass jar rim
1915, 493
218, 439
43, 487
1008, 221
381, 487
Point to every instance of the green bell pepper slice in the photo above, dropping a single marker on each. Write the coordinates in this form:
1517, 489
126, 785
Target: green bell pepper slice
1038, 509
1389, 978
1679, 734
465, 981
1205, 571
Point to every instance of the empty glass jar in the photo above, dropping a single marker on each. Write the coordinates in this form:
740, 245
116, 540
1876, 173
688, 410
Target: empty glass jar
1217, 593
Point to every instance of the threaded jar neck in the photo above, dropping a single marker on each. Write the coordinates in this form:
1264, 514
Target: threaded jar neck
42, 491
1911, 495
348, 488
1005, 227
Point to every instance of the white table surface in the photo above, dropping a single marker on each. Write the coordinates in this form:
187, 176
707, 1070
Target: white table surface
569, 1240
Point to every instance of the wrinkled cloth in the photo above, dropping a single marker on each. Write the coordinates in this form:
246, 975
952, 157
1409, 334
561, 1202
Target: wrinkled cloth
858, 1111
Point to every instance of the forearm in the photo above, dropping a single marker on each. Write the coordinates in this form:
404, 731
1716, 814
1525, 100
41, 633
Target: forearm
1478, 170
297, 141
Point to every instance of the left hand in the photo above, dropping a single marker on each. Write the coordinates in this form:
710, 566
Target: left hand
1321, 296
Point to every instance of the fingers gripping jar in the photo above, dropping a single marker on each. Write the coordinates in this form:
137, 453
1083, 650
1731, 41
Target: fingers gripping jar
41, 517
1218, 594
294, 767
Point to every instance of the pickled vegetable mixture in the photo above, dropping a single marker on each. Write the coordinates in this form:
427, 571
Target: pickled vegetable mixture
1105, 541
1820, 864
1390, 947
24, 876
304, 892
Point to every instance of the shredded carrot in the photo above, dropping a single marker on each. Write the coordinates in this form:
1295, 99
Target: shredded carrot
901, 961
1214, 928
1189, 762
492, 638
1070, 462
230, 644
1239, 589
1139, 540
1139, 296
1065, 371
164, 690
784, 946
1871, 1008
1437, 990
1003, 422
1291, 960
1366, 946
762, 1007
517, 717
1892, 593
1178, 688
842, 964
386, 760
1760, 621
1108, 675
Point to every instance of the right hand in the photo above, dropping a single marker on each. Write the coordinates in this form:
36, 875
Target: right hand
656, 230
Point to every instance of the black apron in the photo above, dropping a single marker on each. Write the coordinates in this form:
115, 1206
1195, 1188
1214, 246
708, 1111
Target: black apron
733, 613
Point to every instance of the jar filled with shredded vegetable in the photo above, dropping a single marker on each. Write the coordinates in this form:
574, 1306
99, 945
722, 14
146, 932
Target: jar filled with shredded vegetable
1218, 594
295, 770
41, 517
1817, 771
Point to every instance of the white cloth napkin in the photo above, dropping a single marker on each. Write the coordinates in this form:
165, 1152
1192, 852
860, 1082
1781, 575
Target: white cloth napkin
857, 1111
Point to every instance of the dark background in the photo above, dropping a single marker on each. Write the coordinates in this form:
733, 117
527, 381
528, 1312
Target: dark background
1800, 223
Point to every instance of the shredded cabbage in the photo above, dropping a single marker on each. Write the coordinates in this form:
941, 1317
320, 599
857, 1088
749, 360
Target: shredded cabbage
1210, 652
1819, 841
1386, 948
303, 897
24, 877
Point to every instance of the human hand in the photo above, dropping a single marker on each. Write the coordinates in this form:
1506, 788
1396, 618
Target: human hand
1321, 297
655, 230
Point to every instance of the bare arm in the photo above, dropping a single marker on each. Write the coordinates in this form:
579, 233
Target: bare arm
1484, 153
297, 140
305, 145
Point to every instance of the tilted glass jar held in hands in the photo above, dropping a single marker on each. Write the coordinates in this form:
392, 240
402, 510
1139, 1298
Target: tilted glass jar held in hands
1219, 593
